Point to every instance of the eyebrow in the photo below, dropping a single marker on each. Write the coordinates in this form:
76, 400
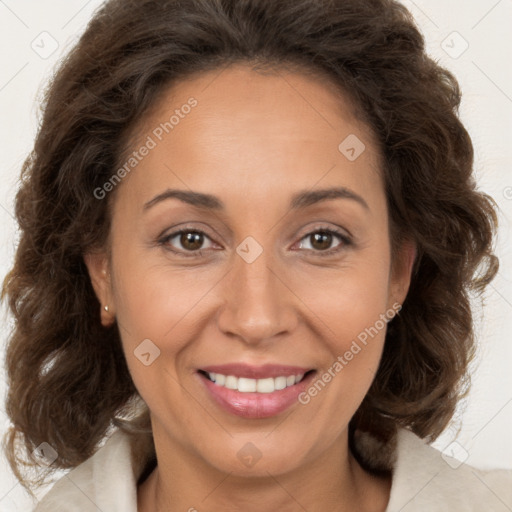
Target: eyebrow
300, 200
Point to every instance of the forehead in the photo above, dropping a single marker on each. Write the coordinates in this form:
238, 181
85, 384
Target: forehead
243, 131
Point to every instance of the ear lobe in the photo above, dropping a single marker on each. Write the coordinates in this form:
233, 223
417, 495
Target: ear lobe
98, 267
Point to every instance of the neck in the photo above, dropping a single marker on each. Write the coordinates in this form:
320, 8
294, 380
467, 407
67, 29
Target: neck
182, 481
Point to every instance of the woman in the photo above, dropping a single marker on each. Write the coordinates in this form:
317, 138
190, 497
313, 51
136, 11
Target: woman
249, 231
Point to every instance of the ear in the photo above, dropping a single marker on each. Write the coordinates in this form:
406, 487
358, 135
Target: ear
99, 272
401, 272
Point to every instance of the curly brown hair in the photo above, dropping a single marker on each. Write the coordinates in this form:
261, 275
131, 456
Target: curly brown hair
68, 377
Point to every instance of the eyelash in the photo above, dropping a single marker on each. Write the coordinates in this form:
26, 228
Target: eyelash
346, 241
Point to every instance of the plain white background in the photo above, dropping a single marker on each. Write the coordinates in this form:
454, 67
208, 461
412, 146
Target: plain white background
471, 38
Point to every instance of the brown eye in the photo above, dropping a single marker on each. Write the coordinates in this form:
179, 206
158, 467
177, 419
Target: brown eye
321, 241
191, 240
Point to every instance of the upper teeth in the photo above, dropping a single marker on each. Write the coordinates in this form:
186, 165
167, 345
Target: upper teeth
245, 385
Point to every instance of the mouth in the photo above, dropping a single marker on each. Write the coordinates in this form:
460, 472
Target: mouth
255, 392
251, 385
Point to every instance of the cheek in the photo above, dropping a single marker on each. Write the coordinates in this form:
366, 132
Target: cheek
352, 308
153, 300
161, 312
353, 313
347, 300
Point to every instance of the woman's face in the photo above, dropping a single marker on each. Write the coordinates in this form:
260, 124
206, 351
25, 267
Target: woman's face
283, 268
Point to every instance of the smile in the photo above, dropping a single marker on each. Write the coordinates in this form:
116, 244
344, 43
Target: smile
246, 385
254, 392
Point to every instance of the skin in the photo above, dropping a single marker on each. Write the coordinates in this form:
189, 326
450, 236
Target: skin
253, 141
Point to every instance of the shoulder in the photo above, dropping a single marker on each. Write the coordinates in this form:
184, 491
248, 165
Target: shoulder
105, 481
426, 479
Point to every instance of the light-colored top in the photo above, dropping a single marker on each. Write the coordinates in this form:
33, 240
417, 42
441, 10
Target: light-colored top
423, 479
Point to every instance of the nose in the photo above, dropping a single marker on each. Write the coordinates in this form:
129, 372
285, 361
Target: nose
258, 302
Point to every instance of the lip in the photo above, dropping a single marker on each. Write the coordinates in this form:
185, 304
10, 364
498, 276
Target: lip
255, 405
255, 372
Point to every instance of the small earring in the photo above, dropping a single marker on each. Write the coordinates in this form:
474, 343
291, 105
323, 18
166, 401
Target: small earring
105, 308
